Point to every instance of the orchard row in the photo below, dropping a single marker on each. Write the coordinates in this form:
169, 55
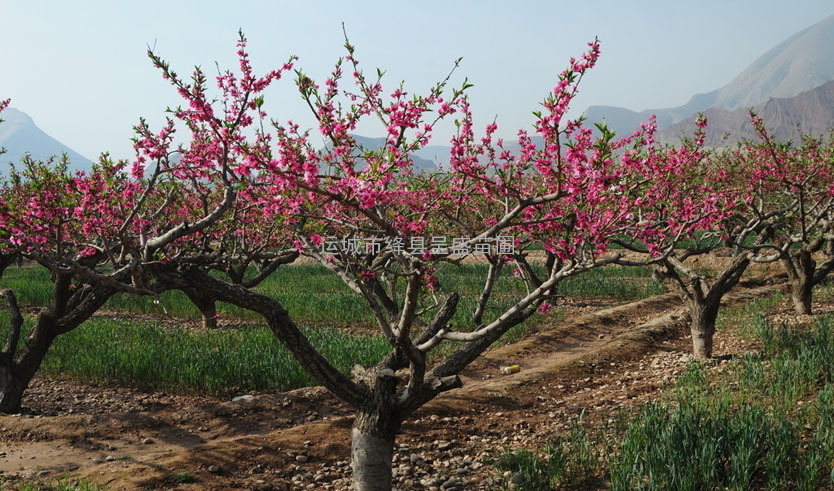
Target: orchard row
223, 189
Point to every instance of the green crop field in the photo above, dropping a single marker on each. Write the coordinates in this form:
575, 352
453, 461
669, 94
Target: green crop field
142, 341
766, 422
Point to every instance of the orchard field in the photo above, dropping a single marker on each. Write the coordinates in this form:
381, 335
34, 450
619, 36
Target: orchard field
599, 386
242, 307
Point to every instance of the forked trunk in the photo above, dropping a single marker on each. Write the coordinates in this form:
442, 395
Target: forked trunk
703, 329
372, 451
207, 307
17, 367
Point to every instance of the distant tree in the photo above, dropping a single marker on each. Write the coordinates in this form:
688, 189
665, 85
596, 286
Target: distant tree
798, 183
698, 206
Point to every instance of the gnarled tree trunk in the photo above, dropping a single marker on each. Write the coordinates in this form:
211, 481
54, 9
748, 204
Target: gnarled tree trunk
380, 407
371, 451
374, 430
702, 297
702, 327
11, 389
17, 373
800, 267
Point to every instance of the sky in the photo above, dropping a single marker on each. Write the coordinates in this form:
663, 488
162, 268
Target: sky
79, 69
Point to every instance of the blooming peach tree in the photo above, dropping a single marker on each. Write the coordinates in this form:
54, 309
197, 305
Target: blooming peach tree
365, 214
693, 206
104, 232
369, 217
50, 216
797, 182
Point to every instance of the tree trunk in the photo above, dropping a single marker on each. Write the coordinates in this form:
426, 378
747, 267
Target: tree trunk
16, 371
11, 387
801, 294
372, 450
206, 305
15, 375
801, 267
703, 328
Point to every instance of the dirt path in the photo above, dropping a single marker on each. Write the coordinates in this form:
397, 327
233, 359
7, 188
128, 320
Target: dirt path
126, 439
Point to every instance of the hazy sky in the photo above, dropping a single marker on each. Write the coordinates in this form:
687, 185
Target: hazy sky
79, 67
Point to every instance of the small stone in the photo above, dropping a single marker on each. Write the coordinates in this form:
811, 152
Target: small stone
450, 483
243, 398
301, 458
147, 441
214, 469
110, 458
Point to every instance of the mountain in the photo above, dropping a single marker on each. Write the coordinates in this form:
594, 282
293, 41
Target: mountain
370, 143
800, 63
440, 153
812, 112
19, 135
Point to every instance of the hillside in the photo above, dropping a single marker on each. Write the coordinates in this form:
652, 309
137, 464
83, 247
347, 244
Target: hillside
798, 64
812, 112
19, 135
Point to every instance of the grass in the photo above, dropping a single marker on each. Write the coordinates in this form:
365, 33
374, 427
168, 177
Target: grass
152, 355
185, 477
316, 297
767, 422
65, 484
567, 462
771, 431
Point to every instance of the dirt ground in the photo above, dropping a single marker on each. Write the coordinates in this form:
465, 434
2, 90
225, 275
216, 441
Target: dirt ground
595, 364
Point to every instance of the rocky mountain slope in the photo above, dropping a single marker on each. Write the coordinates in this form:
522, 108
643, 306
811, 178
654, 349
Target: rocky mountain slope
811, 112
800, 63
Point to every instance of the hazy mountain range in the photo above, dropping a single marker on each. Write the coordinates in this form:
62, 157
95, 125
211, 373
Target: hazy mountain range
19, 135
802, 62
811, 112
787, 85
